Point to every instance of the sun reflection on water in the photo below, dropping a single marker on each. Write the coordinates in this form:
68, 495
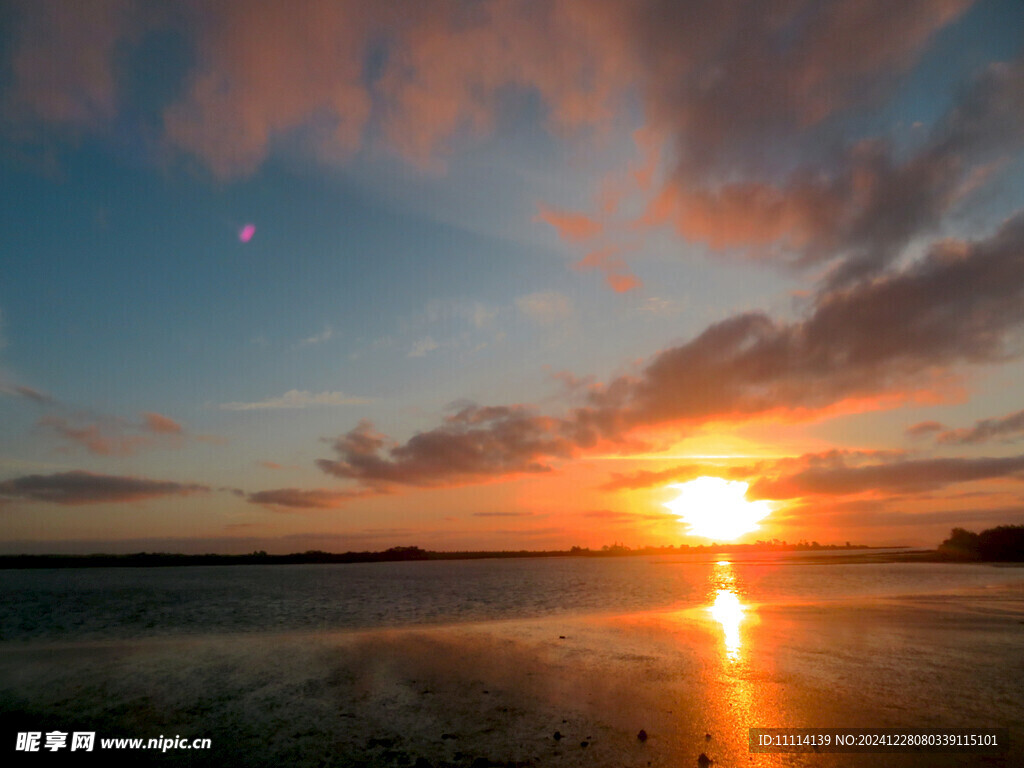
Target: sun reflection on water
727, 609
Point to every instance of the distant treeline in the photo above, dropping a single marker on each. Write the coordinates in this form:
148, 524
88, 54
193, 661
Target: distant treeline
1003, 544
395, 554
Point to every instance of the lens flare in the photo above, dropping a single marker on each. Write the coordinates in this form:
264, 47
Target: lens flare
245, 233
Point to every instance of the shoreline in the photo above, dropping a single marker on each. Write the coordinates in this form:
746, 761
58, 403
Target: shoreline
414, 554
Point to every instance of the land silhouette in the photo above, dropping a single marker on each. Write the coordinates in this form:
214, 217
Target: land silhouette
1004, 543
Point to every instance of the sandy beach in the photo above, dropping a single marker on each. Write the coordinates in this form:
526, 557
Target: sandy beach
559, 691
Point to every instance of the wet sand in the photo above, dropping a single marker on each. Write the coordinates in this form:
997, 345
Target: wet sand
489, 694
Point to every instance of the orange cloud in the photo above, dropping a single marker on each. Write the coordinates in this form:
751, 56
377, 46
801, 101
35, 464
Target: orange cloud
156, 422
622, 283
264, 73
112, 436
614, 268
570, 226
712, 78
104, 438
63, 64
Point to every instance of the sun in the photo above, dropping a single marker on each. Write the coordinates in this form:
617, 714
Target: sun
717, 509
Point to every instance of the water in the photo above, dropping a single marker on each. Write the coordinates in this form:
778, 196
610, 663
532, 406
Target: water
494, 656
127, 603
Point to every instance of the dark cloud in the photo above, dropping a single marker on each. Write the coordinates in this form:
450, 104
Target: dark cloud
894, 477
962, 303
296, 498
34, 395
986, 429
871, 514
15, 390
856, 208
62, 66
74, 488
720, 78
925, 428
474, 444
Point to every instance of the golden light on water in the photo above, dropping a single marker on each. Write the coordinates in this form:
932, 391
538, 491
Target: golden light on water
717, 509
728, 611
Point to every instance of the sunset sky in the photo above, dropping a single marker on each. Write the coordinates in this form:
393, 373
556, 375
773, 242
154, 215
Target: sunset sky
350, 274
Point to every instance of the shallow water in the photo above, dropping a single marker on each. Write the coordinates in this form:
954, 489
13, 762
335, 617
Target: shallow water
95, 603
454, 663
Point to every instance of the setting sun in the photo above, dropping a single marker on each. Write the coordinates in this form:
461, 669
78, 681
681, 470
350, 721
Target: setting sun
717, 509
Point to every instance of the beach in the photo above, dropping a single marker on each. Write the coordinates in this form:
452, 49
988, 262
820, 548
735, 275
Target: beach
566, 690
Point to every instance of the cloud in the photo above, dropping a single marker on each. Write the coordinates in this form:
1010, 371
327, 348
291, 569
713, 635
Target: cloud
75, 488
714, 78
570, 226
545, 307
319, 338
715, 84
895, 477
296, 398
649, 479
986, 429
865, 346
719, 78
473, 445
421, 347
962, 303
62, 66
629, 517
160, 424
113, 436
503, 514
681, 473
607, 260
41, 398
858, 208
104, 437
245, 92
924, 428
295, 498
449, 311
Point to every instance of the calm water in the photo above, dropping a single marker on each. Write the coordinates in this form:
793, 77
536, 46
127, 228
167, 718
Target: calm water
74, 604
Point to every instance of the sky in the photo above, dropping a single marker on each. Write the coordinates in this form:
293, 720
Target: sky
350, 275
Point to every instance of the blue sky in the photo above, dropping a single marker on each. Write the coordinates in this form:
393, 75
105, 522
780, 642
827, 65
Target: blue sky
558, 212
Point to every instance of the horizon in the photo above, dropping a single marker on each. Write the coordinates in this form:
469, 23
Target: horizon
129, 548
509, 277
